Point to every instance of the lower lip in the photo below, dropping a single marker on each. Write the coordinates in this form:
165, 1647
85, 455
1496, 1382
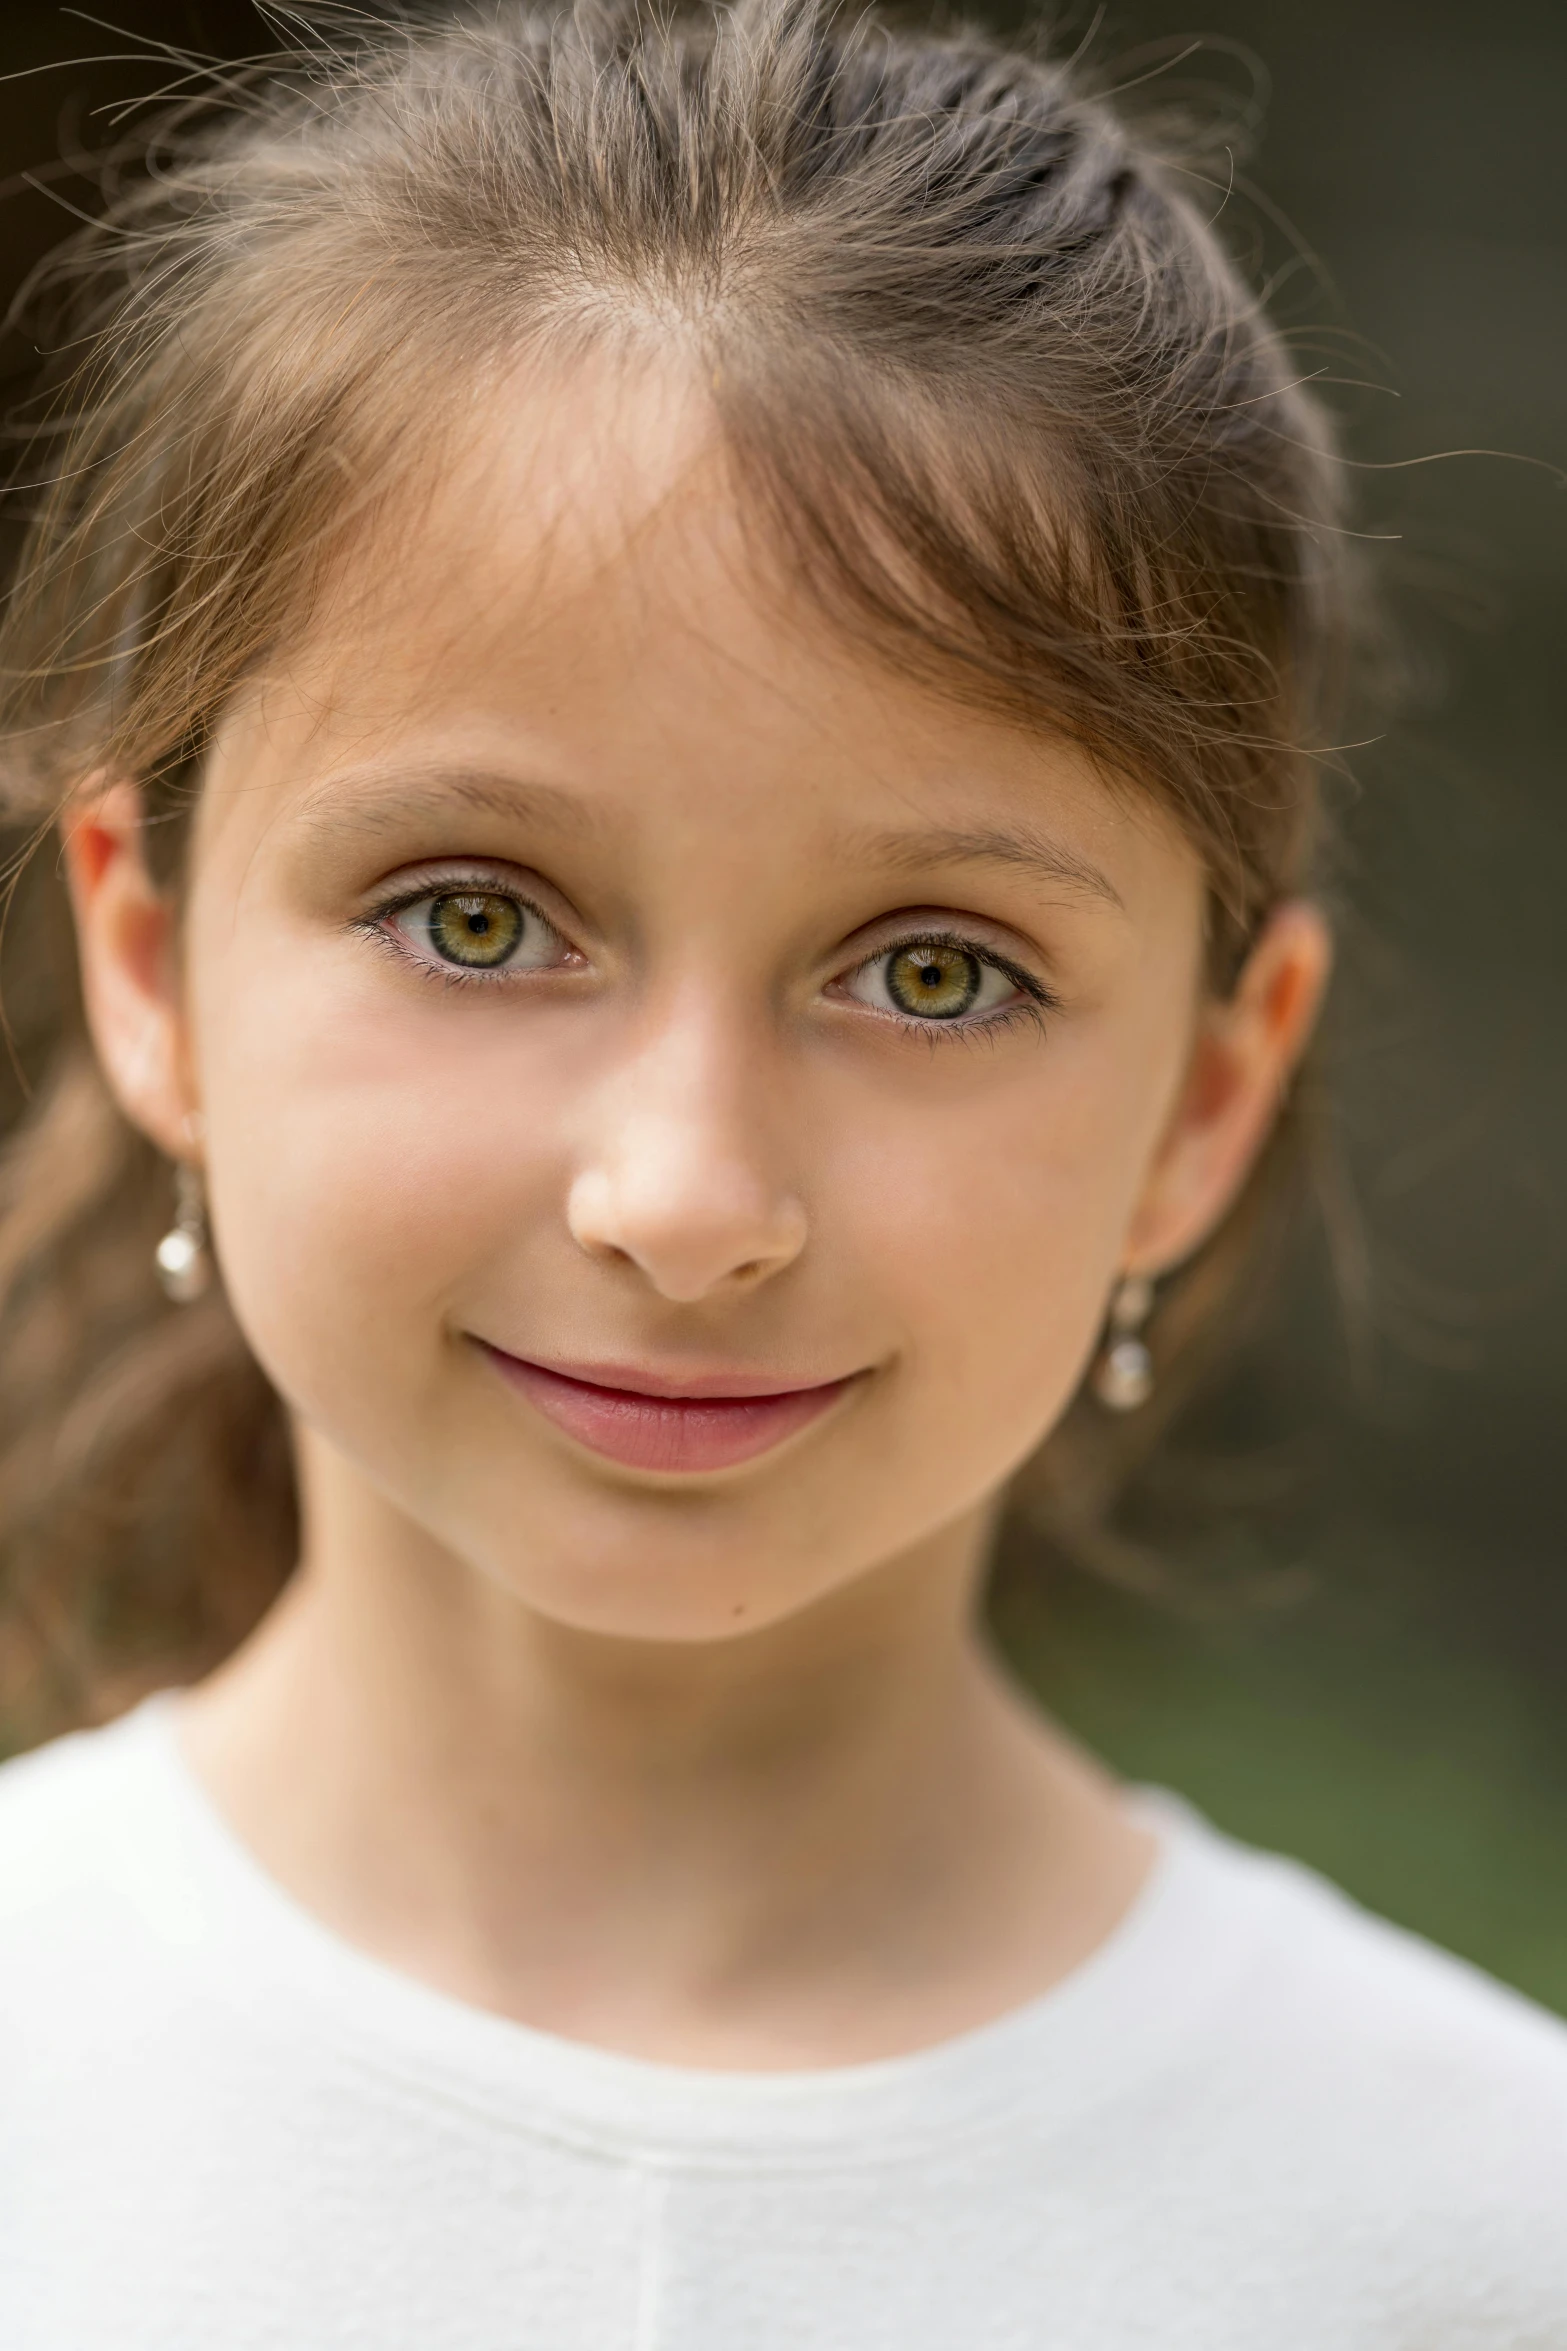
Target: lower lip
670, 1433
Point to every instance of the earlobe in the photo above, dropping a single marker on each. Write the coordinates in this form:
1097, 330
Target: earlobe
1244, 1056
127, 945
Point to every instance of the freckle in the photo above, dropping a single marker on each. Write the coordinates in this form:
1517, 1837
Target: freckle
740, 1608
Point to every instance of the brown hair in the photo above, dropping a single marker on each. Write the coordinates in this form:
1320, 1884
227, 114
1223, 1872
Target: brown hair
988, 378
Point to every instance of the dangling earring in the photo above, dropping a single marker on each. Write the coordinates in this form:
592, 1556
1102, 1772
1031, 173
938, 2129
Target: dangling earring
1123, 1376
183, 1260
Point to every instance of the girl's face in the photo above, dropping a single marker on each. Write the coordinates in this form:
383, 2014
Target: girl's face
597, 977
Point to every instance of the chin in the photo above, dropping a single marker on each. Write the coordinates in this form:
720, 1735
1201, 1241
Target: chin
668, 1567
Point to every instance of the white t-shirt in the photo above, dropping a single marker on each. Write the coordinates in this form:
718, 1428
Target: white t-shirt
1256, 2120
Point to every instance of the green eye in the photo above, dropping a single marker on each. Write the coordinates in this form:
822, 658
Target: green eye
933, 982
478, 928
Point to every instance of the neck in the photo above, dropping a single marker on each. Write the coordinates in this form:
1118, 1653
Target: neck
820, 1841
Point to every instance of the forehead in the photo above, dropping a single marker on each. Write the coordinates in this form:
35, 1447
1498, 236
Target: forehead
577, 596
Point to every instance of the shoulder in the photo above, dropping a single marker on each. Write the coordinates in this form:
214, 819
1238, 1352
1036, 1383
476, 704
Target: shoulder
50, 1817
81, 1823
1346, 1994
54, 1801
1394, 2098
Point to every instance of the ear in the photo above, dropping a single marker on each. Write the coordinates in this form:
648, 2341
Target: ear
1244, 1055
127, 939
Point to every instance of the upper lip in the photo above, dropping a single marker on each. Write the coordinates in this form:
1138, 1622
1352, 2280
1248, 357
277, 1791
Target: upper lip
678, 1387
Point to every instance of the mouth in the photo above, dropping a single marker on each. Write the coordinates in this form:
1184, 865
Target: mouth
642, 1421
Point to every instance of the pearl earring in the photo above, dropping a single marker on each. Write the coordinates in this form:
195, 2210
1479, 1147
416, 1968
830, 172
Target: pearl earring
182, 1258
1123, 1376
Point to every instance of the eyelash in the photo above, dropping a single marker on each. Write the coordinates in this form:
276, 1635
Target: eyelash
372, 923
1035, 1002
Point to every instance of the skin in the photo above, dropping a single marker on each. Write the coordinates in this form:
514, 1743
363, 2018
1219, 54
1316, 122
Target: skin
713, 1767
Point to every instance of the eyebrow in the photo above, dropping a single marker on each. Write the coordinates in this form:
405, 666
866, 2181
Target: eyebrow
371, 799
374, 800
1028, 852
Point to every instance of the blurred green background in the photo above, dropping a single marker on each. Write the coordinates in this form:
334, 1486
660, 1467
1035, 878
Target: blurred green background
1362, 1657
1389, 1701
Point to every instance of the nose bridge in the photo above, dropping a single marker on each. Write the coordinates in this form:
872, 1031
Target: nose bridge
683, 1172
692, 1081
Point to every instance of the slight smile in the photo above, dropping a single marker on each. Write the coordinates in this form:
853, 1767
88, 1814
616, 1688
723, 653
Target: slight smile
635, 1418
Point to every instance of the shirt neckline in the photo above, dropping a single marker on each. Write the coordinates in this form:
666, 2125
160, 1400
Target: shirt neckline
1125, 2011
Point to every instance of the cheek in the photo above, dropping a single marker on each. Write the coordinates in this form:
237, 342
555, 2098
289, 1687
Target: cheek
997, 1221
367, 1162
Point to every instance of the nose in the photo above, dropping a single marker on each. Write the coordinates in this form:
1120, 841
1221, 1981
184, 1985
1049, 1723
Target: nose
681, 1181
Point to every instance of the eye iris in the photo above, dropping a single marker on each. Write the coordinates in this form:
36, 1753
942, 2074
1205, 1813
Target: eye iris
937, 982
477, 928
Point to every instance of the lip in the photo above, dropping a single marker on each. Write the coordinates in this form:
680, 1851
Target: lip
675, 1424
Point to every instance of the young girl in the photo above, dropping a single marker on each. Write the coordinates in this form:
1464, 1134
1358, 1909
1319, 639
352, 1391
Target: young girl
677, 669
